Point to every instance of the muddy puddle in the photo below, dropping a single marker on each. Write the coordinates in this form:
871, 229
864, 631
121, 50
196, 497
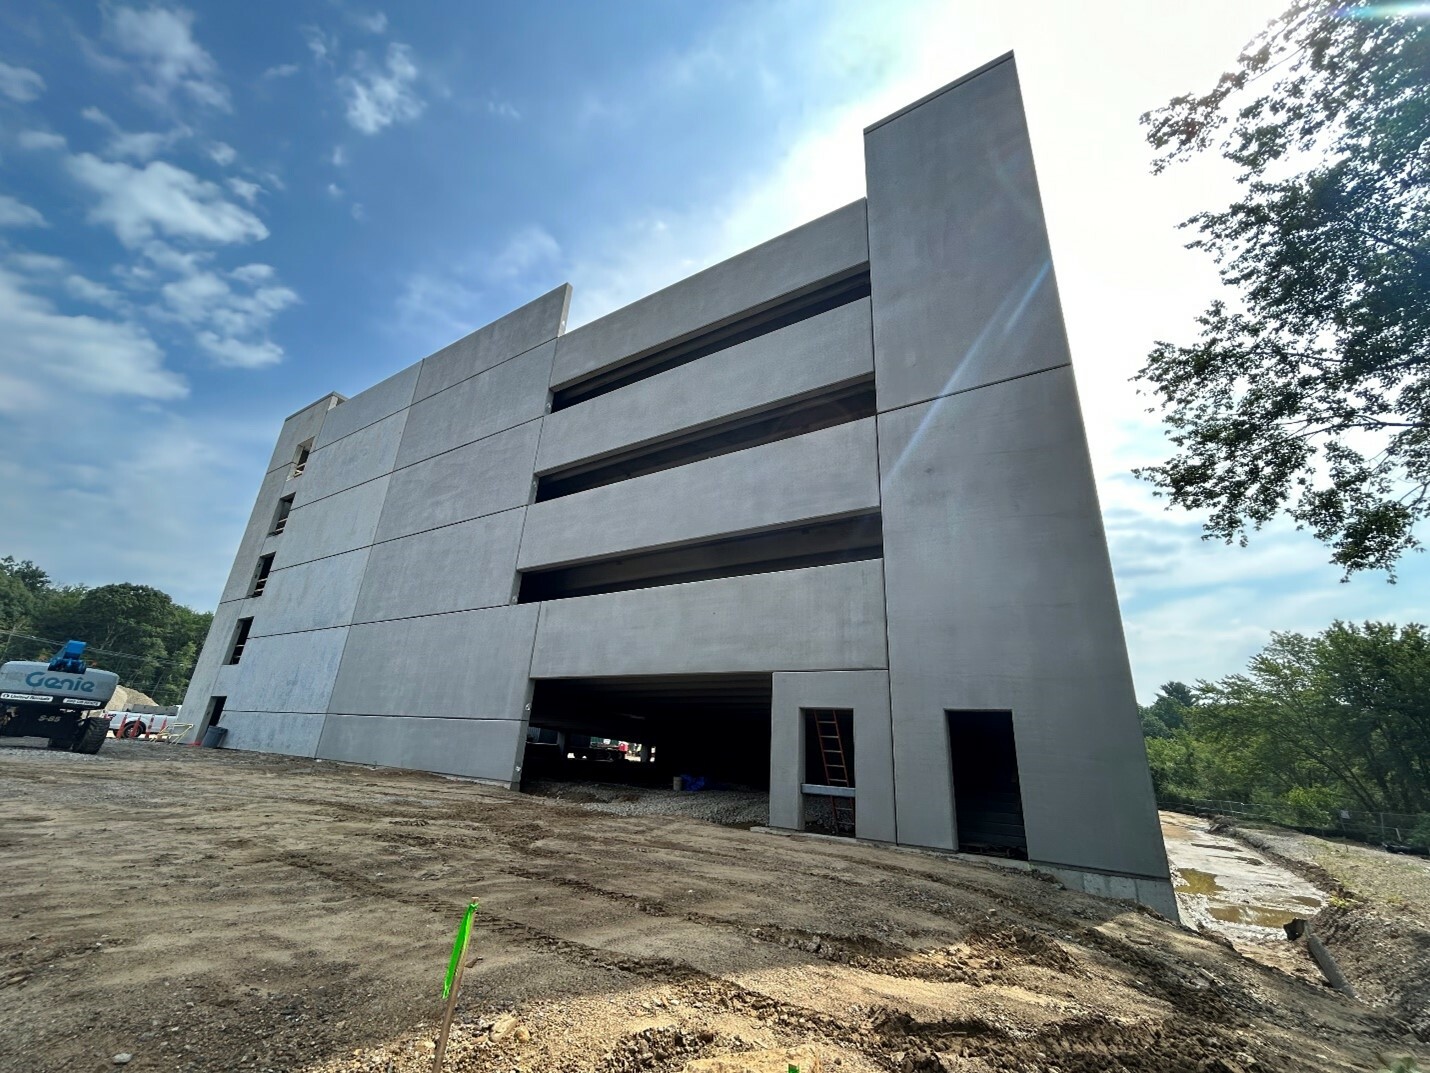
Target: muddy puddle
1227, 887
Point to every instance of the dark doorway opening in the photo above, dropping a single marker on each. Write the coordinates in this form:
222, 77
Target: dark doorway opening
215, 711
986, 793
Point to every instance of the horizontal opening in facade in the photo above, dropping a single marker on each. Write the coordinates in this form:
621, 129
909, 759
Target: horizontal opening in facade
790, 309
836, 405
824, 543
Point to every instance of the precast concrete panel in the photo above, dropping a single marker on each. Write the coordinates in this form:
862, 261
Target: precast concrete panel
366, 407
1001, 596
507, 394
293, 672
795, 362
301, 426
260, 521
831, 473
311, 596
289, 733
827, 247
456, 568
355, 459
866, 694
819, 618
962, 276
469, 665
331, 526
485, 749
516, 333
481, 478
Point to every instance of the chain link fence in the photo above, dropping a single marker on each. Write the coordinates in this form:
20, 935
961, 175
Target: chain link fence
1402, 829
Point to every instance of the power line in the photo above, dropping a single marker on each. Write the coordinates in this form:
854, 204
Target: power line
12, 634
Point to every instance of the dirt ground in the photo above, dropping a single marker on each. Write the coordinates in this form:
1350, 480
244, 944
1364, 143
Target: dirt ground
203, 910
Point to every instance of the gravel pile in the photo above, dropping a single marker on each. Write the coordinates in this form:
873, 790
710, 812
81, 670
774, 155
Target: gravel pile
736, 808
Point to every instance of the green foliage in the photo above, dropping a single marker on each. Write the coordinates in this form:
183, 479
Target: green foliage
1310, 395
1316, 723
134, 630
1167, 713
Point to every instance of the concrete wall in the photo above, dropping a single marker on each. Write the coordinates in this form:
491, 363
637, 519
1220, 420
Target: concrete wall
389, 631
866, 693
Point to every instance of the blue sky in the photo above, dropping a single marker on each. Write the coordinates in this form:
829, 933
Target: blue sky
212, 214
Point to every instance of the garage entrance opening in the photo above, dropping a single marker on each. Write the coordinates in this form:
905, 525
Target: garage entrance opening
712, 729
986, 794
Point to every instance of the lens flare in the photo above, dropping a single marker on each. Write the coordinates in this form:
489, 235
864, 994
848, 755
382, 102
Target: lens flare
1407, 9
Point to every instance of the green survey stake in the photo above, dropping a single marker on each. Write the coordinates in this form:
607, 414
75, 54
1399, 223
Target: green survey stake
463, 930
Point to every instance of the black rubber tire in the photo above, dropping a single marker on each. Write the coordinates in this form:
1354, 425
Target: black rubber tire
62, 743
132, 730
92, 736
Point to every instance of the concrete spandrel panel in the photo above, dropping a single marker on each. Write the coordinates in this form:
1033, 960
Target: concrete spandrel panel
286, 733
350, 461
1000, 596
303, 425
516, 333
291, 673
509, 394
455, 568
866, 694
826, 247
379, 401
826, 474
819, 618
481, 478
961, 271
260, 521
339, 523
486, 749
468, 665
311, 596
794, 362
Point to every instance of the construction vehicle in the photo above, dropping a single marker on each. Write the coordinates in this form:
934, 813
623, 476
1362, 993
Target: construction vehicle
62, 700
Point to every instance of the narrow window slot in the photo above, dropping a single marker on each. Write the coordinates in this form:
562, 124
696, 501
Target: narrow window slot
280, 518
240, 640
835, 406
791, 309
795, 547
260, 575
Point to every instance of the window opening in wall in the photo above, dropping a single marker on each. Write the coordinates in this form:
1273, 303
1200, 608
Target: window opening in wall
215, 712
240, 639
844, 540
780, 313
829, 797
260, 576
986, 793
280, 518
835, 405
300, 460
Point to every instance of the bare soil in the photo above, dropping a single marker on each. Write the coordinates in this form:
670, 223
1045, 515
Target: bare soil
203, 910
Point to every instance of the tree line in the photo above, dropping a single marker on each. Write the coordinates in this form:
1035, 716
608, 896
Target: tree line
1337, 720
137, 631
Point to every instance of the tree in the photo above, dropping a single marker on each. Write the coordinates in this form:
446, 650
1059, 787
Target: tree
1309, 394
1167, 713
1341, 717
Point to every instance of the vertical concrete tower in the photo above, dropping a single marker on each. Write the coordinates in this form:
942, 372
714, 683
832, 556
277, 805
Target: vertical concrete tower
822, 515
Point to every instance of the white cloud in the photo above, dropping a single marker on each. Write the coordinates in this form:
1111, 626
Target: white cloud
339, 158
282, 70
20, 83
241, 354
376, 23
87, 290
318, 43
502, 109
222, 154
161, 43
230, 324
162, 199
139, 146
93, 355
334, 190
358, 212
379, 97
246, 190
40, 139
15, 213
